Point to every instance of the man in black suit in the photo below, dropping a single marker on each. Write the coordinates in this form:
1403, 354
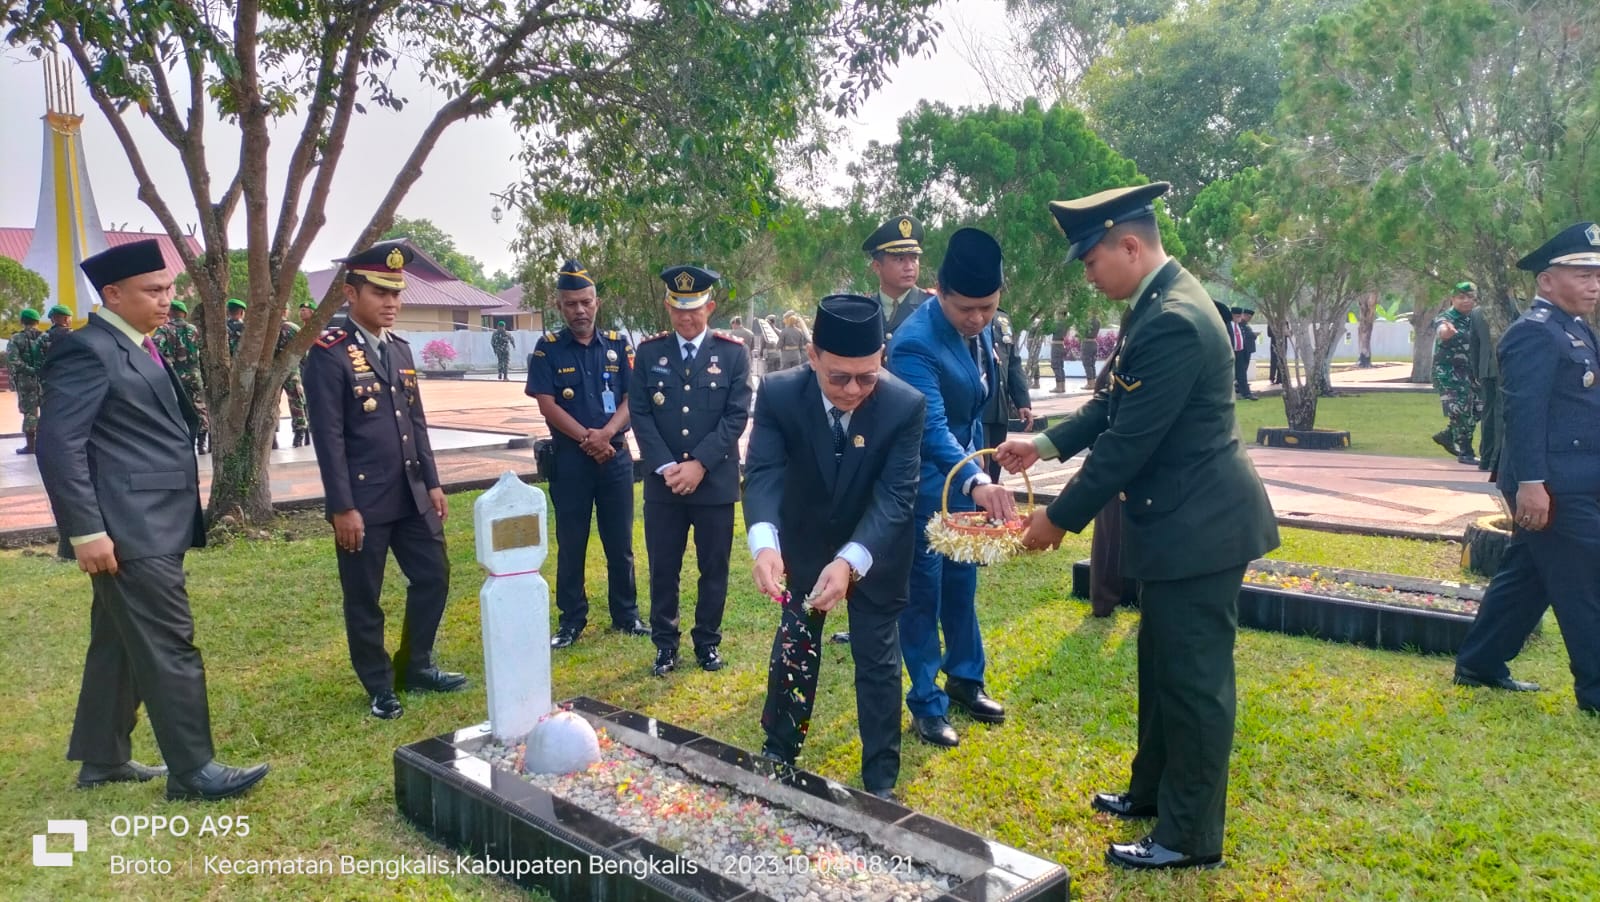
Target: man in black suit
833, 468
1243, 352
689, 401
116, 450
380, 482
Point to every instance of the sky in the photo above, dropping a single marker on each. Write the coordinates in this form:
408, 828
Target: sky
472, 161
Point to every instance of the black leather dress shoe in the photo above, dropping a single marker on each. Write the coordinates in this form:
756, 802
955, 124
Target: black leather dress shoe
564, 637
842, 637
1468, 678
709, 658
968, 695
92, 775
636, 628
886, 794
432, 679
666, 661
936, 731
386, 706
214, 781
775, 756
1148, 855
1118, 804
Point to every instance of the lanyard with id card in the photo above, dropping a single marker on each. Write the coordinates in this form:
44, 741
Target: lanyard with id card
608, 398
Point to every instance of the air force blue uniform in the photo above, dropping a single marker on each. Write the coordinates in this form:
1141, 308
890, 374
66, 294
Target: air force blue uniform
1550, 379
589, 382
931, 356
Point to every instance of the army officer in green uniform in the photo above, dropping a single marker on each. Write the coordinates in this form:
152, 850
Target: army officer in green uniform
1165, 441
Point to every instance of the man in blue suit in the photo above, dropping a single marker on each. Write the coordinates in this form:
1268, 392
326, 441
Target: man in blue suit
1549, 474
946, 351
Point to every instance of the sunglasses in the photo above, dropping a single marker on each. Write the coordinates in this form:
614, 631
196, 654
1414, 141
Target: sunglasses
840, 380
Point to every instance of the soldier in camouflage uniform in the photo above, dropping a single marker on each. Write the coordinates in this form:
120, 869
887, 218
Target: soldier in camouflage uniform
1454, 377
178, 340
294, 389
502, 343
236, 310
25, 358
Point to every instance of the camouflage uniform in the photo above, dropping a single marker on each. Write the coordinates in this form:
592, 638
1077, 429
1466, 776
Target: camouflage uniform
1456, 382
235, 329
25, 358
502, 342
294, 389
178, 340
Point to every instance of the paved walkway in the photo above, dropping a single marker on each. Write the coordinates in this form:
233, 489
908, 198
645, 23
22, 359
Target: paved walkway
482, 427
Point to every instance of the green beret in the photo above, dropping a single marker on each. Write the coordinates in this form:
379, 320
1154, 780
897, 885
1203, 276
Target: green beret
180, 306
28, 315
308, 305
235, 302
59, 310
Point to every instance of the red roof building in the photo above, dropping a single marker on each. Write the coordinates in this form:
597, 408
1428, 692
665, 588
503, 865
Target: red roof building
14, 243
435, 300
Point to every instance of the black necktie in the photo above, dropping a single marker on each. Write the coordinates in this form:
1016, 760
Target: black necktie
838, 431
688, 351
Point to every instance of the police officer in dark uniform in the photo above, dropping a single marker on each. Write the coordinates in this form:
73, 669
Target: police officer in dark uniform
379, 478
580, 376
895, 249
1010, 394
1549, 474
690, 400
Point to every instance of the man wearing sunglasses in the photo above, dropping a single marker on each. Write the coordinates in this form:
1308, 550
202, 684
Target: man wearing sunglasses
830, 486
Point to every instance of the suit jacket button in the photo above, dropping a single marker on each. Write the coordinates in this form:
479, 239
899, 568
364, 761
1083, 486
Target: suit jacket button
686, 410
405, 438
1122, 496
685, 455
1149, 501
397, 413
361, 477
685, 432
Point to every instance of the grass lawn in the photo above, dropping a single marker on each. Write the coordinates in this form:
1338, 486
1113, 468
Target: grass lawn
1398, 423
1356, 773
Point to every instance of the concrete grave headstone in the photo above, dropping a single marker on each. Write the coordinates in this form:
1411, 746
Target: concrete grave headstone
510, 520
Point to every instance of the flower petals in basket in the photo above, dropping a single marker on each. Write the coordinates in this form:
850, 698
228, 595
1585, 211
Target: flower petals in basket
973, 537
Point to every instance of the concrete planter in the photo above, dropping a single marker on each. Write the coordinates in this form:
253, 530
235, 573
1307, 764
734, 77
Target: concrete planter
1311, 440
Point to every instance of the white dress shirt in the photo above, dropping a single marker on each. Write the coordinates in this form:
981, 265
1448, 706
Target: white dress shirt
765, 535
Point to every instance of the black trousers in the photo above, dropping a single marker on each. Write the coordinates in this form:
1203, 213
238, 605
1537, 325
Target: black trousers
1186, 707
418, 545
666, 537
1241, 374
993, 435
141, 646
796, 663
1558, 567
580, 488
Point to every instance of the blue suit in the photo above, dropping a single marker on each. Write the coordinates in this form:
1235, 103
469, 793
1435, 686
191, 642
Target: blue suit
932, 357
1550, 378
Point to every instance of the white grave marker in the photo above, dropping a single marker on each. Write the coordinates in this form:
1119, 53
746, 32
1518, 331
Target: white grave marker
511, 524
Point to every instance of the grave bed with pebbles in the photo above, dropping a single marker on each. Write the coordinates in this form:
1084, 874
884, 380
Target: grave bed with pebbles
765, 847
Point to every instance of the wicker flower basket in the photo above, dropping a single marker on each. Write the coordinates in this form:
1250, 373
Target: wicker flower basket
971, 537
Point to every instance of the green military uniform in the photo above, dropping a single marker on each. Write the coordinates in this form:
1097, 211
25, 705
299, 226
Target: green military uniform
1456, 381
235, 326
502, 343
293, 387
178, 340
1165, 441
25, 359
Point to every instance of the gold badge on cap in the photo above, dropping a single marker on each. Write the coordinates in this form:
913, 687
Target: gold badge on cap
684, 282
1593, 234
905, 228
395, 260
566, 393
369, 405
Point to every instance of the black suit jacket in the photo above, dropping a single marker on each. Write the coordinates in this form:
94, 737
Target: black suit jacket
693, 412
819, 506
116, 446
368, 427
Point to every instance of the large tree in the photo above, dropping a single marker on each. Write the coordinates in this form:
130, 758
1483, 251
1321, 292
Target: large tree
610, 94
20, 288
1466, 123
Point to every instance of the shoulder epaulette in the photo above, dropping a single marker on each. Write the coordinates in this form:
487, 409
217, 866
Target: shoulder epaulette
612, 334
654, 337
398, 337
725, 336
332, 337
550, 336
1538, 314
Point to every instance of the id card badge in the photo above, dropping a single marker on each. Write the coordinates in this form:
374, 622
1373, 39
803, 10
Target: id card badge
608, 401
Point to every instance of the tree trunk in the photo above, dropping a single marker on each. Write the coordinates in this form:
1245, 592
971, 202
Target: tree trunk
1423, 312
1300, 403
1368, 305
1036, 338
240, 478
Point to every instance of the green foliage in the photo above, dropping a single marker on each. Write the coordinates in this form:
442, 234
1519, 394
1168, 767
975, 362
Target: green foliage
1065, 38
20, 287
998, 169
239, 285
442, 248
1180, 94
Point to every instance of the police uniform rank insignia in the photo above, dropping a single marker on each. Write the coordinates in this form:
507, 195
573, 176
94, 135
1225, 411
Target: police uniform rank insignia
611, 355
369, 405
566, 393
659, 398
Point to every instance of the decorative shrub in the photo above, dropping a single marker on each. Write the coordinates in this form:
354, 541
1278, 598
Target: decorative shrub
438, 353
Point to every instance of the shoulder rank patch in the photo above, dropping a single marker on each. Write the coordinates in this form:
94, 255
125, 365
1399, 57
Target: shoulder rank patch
550, 336
332, 337
1126, 383
612, 334
1538, 314
653, 337
398, 337
726, 336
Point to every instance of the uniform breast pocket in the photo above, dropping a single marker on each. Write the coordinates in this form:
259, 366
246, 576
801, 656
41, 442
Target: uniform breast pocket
711, 393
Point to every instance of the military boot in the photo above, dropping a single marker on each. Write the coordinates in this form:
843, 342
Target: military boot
27, 444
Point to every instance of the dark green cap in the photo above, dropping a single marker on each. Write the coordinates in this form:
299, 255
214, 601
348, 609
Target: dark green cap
235, 302
28, 315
